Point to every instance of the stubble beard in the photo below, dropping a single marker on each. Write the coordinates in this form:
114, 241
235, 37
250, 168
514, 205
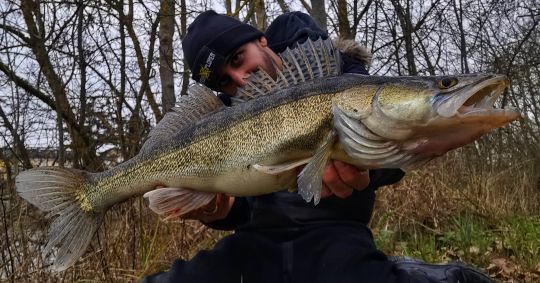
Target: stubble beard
270, 66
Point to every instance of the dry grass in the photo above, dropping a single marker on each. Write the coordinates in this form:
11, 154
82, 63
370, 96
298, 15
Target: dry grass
132, 243
433, 195
451, 209
460, 208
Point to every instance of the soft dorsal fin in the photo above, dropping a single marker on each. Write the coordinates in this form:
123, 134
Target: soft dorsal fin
189, 109
305, 62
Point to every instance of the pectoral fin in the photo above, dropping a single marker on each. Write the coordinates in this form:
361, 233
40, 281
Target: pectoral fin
310, 179
175, 202
280, 168
367, 148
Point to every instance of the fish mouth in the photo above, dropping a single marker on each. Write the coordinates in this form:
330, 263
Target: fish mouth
475, 100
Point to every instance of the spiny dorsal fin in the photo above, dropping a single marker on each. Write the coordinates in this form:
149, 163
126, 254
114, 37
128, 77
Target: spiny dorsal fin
305, 62
259, 83
189, 109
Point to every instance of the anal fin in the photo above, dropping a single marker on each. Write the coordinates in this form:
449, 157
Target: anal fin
175, 202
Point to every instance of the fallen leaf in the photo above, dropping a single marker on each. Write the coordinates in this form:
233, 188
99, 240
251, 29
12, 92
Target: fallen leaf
503, 265
499, 245
492, 267
474, 250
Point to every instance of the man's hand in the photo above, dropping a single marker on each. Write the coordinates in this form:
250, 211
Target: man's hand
217, 209
340, 179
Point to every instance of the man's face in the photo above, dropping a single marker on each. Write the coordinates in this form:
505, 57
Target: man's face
246, 60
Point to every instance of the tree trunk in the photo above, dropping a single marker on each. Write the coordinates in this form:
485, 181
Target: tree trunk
405, 21
228, 8
284, 7
462, 44
358, 16
318, 12
82, 63
260, 14
120, 97
344, 26
183, 30
144, 70
166, 72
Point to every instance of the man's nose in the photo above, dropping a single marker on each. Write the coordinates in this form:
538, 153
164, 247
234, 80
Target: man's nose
239, 78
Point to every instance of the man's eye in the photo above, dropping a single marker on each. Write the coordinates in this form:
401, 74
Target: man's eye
236, 59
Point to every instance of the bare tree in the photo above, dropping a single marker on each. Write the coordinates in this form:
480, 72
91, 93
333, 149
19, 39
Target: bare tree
81, 142
260, 12
183, 31
80, 84
405, 16
345, 25
166, 71
318, 12
458, 11
284, 7
18, 145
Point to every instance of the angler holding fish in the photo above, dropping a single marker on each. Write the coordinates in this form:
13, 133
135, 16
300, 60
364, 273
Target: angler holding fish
298, 110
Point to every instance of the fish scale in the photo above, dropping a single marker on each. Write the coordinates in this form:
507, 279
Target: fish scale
231, 151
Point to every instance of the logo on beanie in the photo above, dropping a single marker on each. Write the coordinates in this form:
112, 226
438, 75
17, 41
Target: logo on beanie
204, 71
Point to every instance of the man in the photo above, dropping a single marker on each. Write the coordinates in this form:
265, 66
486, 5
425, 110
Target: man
279, 237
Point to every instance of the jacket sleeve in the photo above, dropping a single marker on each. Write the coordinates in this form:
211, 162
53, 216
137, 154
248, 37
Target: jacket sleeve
238, 216
352, 65
384, 177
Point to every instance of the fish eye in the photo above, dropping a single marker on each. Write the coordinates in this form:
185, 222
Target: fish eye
447, 83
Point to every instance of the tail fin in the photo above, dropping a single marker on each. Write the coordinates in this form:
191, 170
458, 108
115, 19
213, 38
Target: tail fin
60, 192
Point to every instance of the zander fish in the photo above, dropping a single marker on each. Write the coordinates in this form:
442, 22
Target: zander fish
307, 114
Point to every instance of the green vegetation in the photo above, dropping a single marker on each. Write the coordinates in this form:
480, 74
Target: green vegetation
483, 213
473, 240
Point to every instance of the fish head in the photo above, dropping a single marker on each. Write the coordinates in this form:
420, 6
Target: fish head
425, 116
423, 105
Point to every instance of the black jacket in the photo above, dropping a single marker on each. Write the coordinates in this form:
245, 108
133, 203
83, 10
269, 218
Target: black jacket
287, 211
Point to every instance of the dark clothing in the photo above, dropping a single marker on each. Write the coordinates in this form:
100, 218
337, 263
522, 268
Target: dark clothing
332, 254
287, 210
295, 27
291, 28
347, 255
281, 238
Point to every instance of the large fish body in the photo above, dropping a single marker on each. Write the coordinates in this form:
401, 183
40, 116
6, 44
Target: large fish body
254, 147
